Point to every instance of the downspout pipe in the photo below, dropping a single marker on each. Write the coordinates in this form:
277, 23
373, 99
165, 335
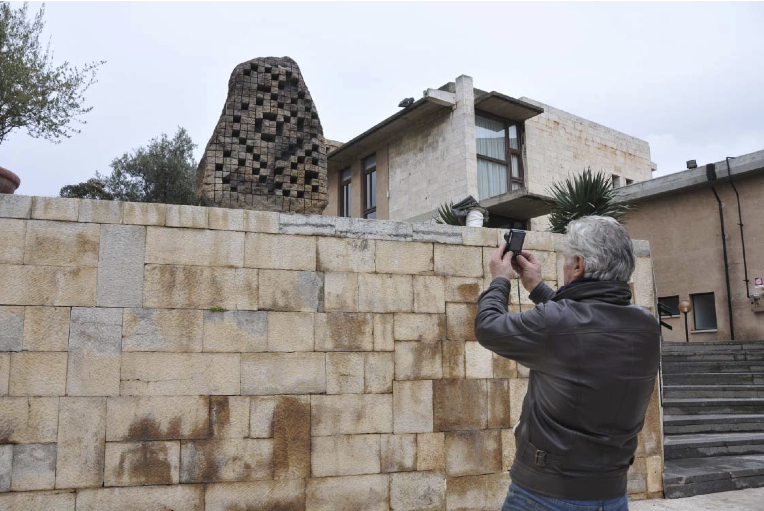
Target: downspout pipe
740, 223
711, 175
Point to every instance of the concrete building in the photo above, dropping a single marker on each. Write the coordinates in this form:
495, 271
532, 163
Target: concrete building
679, 215
457, 141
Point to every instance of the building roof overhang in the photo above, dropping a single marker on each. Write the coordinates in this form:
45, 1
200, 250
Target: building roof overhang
506, 107
519, 204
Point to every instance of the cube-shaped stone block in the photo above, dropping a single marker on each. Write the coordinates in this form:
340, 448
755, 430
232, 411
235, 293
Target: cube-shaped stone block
398, 453
453, 359
15, 206
12, 232
413, 409
172, 330
208, 461
133, 418
293, 291
344, 331
345, 373
290, 331
460, 321
340, 292
61, 244
198, 287
345, 255
419, 327
349, 493
458, 261
49, 501
121, 258
28, 420
383, 332
291, 437
46, 328
283, 373
235, 331
478, 361
463, 289
418, 360
429, 294
460, 405
424, 491
287, 495
48, 285
54, 208
141, 463
180, 374
229, 416
431, 451
11, 328
81, 439
378, 373
345, 455
261, 416
261, 221
38, 373
351, 414
225, 219
184, 496
143, 213
475, 493
179, 215
95, 345
636, 481
473, 452
479, 236
499, 410
100, 211
504, 367
404, 257
280, 252
194, 247
385, 293
34, 467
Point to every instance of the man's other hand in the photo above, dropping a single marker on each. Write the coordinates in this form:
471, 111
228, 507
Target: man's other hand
529, 269
502, 266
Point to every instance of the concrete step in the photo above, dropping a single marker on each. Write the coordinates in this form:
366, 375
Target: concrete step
712, 405
688, 477
698, 391
706, 378
713, 356
712, 346
745, 366
678, 447
712, 423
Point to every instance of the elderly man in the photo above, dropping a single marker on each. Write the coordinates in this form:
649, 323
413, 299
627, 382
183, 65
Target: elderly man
593, 359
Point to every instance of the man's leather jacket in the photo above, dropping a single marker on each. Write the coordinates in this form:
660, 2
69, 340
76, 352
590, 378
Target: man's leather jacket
593, 359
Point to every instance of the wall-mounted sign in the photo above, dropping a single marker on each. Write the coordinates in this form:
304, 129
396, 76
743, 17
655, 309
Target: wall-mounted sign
758, 282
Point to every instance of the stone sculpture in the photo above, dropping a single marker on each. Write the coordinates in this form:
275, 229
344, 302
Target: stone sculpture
268, 150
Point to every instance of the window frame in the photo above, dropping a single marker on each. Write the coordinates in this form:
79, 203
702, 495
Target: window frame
343, 183
365, 197
509, 151
695, 309
615, 181
678, 314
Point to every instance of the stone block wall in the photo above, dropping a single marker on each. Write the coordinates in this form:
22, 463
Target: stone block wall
175, 357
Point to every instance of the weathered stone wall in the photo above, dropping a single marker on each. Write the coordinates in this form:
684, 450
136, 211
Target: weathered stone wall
343, 375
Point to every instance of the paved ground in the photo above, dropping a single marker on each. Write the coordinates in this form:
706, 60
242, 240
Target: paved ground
739, 500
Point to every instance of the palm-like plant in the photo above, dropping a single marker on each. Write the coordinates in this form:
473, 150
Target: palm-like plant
586, 194
446, 215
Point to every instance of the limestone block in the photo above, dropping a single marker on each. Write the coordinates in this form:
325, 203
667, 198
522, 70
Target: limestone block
373, 229
499, 410
437, 233
431, 451
419, 327
296, 291
261, 221
6, 464
36, 373
46, 328
508, 449
344, 331
47, 285
650, 441
100, 211
197, 287
412, 403
385, 293
132, 418
523, 371
95, 343
283, 373
463, 289
383, 332
398, 453
290, 331
235, 331
28, 420
453, 359
141, 463
186, 216
345, 255
404, 257
416, 360
179, 374
232, 459
194, 247
229, 416
644, 294
479, 236
424, 491
654, 468
473, 452
144, 213
224, 219
312, 225
280, 252
351, 414
345, 455
120, 266
26, 501
54, 208
460, 321
12, 234
261, 416
548, 262
458, 261
291, 437
641, 248
517, 390
636, 481
478, 361
504, 367
34, 467
15, 206
429, 294
11, 328
350, 493
61, 244
345, 373
460, 404
265, 495
378, 373
173, 330
340, 292
5, 372
476, 493
142, 498
81, 438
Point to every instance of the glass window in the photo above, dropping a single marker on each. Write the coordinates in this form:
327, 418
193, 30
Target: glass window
514, 142
499, 156
345, 193
370, 186
672, 303
492, 178
704, 311
491, 138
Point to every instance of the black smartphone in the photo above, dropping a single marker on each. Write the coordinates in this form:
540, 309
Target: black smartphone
514, 239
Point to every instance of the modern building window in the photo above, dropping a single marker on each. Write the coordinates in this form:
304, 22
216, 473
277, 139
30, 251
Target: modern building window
370, 186
500, 167
616, 181
670, 302
346, 193
704, 311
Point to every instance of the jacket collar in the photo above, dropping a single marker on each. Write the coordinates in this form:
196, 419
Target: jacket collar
609, 291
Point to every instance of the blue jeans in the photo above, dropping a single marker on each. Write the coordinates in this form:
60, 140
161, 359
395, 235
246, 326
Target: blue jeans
520, 499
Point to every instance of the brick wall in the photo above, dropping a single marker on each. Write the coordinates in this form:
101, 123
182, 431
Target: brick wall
343, 375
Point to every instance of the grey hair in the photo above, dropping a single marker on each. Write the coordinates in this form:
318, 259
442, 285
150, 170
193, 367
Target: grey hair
605, 246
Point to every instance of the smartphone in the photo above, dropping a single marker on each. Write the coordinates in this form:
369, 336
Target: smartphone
514, 239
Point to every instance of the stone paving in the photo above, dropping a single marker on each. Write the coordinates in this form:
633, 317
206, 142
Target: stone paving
751, 499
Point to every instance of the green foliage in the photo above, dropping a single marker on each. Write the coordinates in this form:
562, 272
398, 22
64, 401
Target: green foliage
218, 309
446, 216
34, 93
586, 194
164, 171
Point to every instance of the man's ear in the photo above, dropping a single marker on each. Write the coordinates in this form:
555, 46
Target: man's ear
579, 267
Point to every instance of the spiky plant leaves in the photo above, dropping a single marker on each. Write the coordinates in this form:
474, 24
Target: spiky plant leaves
583, 195
446, 215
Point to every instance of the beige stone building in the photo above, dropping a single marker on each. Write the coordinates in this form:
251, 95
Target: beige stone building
679, 215
457, 141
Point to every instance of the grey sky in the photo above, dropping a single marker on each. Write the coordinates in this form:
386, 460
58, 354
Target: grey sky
686, 77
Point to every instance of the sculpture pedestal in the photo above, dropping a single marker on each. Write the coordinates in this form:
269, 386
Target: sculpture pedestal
9, 181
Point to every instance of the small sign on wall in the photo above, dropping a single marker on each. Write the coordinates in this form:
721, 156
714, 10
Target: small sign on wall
758, 282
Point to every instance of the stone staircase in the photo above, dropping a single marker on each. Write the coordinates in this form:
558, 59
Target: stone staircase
713, 417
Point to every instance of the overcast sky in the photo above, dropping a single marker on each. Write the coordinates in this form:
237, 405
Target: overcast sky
687, 77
